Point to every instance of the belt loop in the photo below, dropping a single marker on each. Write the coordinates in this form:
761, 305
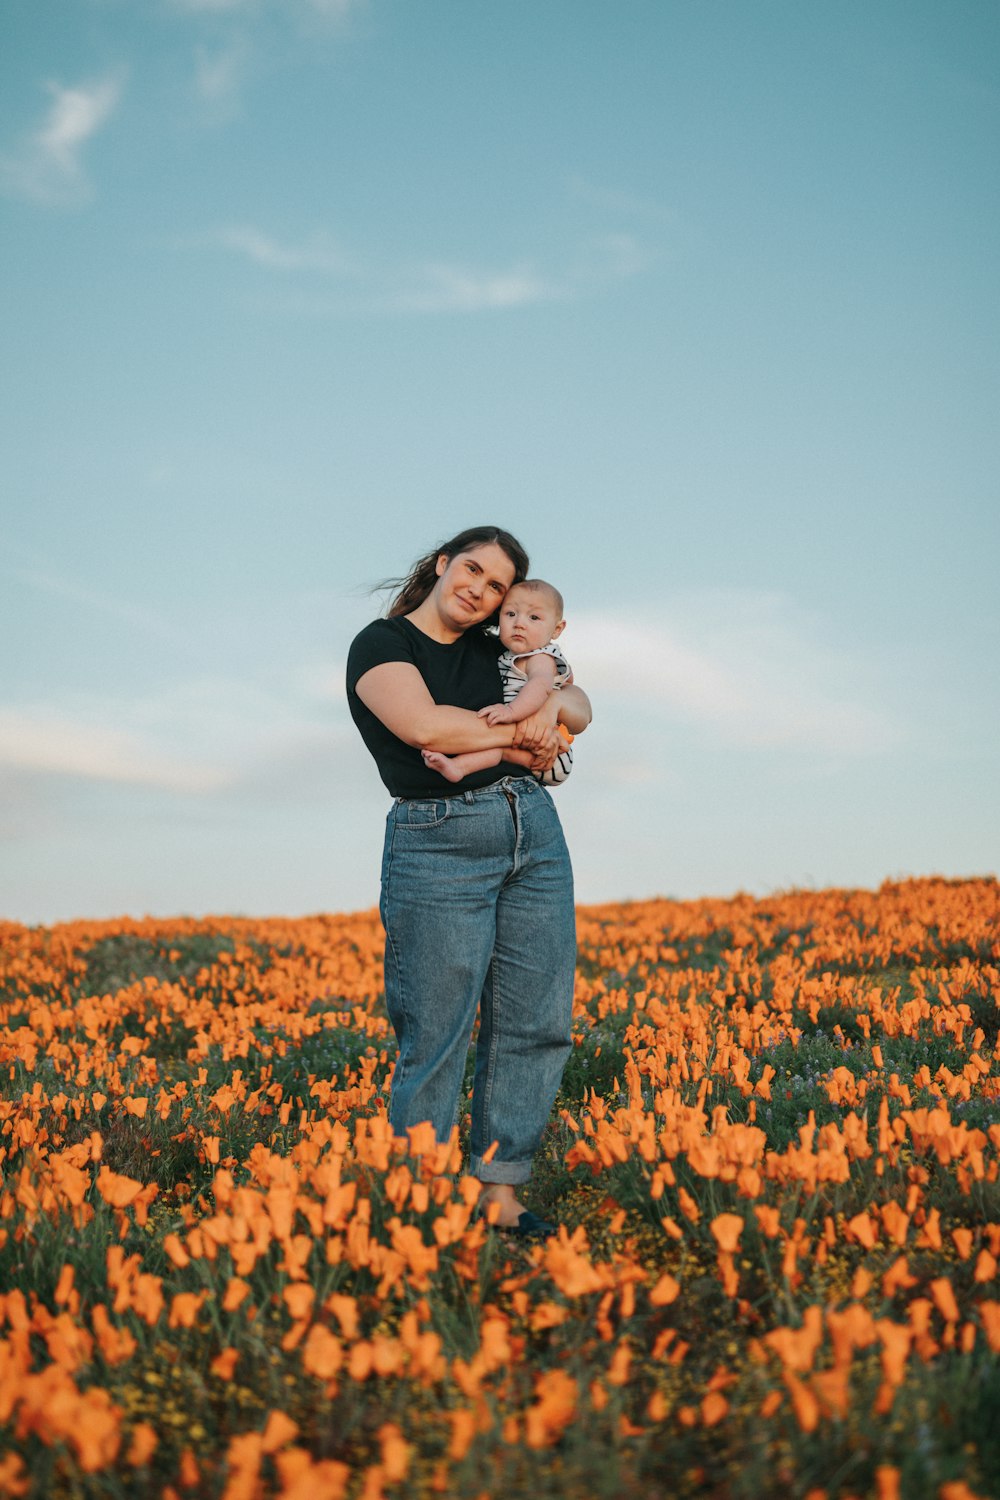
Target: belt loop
467, 796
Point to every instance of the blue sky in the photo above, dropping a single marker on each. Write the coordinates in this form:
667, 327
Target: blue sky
699, 299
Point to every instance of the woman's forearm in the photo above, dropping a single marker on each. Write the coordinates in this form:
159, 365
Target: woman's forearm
453, 731
397, 694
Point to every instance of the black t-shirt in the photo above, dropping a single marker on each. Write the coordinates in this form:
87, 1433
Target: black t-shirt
463, 673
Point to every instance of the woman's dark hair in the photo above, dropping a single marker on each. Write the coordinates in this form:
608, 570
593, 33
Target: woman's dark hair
411, 591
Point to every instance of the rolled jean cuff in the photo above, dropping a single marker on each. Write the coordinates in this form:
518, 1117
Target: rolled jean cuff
513, 1172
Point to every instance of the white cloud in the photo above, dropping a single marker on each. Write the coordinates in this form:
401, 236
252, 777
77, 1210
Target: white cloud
615, 201
333, 10
620, 256
75, 115
321, 682
220, 75
202, 736
214, 7
46, 582
41, 740
747, 669
319, 253
47, 166
450, 288
434, 286
240, 39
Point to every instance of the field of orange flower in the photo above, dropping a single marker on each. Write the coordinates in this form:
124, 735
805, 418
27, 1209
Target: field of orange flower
775, 1157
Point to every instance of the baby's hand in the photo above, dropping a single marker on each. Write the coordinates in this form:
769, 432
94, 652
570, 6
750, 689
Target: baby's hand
497, 713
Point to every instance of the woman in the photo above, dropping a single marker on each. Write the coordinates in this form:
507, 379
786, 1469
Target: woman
477, 890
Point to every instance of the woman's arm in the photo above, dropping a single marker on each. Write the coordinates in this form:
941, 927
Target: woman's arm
396, 693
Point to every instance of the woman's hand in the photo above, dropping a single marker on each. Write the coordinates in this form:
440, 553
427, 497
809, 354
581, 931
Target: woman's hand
538, 735
545, 759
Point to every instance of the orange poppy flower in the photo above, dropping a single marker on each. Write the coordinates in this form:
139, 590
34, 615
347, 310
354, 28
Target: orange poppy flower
944, 1299
184, 1309
714, 1407
117, 1191
298, 1298
224, 1364
727, 1229
989, 1316
804, 1403
322, 1353
279, 1431
142, 1446
556, 1395
887, 1481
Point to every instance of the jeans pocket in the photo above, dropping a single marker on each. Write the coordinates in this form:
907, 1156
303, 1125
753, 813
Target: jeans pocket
423, 813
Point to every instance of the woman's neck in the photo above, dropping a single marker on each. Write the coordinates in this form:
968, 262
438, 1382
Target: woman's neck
429, 622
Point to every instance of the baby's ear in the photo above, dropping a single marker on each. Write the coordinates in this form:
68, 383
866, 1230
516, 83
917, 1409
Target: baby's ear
558, 630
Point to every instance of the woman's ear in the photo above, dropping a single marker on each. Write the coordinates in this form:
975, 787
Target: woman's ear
441, 565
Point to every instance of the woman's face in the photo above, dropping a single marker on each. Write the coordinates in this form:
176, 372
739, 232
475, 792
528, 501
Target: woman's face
471, 585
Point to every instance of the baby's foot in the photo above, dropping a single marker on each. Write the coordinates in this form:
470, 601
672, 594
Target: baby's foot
442, 764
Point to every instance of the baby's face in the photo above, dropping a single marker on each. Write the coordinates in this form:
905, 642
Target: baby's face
527, 620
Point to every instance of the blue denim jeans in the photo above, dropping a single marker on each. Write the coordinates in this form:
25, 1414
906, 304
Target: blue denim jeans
477, 905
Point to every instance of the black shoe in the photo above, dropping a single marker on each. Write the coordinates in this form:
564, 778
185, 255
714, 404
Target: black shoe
528, 1227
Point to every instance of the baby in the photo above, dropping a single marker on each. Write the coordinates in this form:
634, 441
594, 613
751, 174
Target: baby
531, 666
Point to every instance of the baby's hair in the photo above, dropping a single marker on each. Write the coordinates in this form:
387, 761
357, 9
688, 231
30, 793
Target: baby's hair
539, 586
